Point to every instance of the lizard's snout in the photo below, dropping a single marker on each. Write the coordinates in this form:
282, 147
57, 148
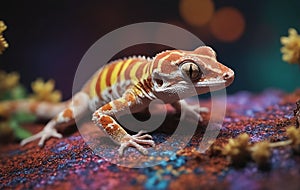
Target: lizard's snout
228, 77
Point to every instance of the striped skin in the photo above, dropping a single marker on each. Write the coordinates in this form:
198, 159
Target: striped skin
131, 84
117, 76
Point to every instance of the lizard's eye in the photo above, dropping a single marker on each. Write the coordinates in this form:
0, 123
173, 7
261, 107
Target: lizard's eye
191, 70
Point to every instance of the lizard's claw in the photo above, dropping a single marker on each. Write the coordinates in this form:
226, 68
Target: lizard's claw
44, 135
136, 141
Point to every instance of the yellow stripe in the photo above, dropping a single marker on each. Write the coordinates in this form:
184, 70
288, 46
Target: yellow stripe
133, 71
122, 73
114, 75
103, 79
160, 62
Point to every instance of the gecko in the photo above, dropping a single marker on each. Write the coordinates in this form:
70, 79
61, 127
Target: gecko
133, 83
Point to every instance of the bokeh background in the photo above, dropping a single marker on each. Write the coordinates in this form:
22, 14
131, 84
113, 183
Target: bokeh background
48, 38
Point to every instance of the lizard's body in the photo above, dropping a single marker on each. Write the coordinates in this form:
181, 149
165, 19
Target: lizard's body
133, 83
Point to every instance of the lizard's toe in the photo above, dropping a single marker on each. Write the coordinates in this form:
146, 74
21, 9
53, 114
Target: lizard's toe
43, 135
136, 141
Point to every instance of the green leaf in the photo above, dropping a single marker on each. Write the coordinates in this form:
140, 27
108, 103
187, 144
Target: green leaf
21, 133
23, 117
18, 92
14, 124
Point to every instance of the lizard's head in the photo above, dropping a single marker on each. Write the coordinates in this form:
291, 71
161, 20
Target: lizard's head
177, 71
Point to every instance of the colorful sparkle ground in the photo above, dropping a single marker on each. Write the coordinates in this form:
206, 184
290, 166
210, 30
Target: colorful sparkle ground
69, 163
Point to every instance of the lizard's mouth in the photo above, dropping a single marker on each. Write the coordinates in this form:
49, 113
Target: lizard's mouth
223, 82
211, 83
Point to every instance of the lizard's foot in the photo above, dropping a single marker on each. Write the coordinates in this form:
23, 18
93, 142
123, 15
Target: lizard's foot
136, 141
46, 133
192, 111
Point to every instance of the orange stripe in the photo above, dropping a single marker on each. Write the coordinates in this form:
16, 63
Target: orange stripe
158, 59
129, 68
141, 71
165, 64
97, 86
134, 75
109, 74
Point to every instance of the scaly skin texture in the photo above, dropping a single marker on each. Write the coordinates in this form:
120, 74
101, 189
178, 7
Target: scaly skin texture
131, 84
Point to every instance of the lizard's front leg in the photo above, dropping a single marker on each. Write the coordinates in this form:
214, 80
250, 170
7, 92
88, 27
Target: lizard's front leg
104, 118
189, 111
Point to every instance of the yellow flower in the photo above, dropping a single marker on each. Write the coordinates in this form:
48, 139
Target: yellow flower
294, 135
44, 91
291, 47
8, 80
260, 152
2, 26
3, 43
5, 109
237, 150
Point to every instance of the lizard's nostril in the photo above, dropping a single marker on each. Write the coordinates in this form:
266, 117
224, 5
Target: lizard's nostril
226, 76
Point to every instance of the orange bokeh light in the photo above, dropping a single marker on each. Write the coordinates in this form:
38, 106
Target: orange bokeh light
227, 24
196, 12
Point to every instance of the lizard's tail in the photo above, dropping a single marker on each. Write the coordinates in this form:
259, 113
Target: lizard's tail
45, 110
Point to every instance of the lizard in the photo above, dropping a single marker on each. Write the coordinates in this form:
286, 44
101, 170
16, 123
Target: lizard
133, 83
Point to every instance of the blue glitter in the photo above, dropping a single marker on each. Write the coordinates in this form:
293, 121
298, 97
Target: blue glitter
29, 171
113, 168
155, 183
65, 147
164, 163
74, 138
198, 171
289, 116
167, 153
60, 166
180, 161
173, 157
249, 113
15, 152
222, 175
17, 180
133, 182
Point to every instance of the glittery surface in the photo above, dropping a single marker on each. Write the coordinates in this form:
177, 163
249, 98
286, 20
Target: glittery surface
69, 163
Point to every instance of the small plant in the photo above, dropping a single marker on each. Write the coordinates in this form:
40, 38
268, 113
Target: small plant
44, 91
3, 43
294, 136
291, 47
8, 80
239, 151
260, 153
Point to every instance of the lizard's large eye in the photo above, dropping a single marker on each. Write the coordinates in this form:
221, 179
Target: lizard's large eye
191, 70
